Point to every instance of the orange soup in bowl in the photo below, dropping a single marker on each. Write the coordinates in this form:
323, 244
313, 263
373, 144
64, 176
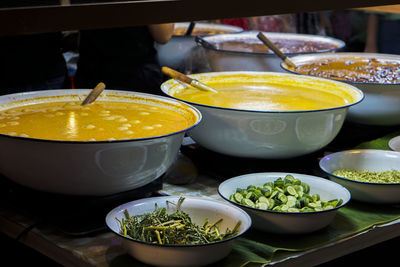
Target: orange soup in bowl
268, 93
99, 121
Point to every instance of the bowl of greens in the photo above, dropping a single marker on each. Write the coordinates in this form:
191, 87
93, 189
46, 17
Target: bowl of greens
371, 175
285, 203
178, 231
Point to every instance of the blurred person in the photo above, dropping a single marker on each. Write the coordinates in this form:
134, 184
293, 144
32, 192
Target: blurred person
383, 33
122, 58
32, 62
274, 23
238, 22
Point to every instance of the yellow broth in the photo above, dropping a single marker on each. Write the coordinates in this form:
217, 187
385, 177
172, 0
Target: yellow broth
265, 96
99, 121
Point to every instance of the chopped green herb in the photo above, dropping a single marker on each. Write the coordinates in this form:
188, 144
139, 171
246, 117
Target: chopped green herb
176, 228
385, 177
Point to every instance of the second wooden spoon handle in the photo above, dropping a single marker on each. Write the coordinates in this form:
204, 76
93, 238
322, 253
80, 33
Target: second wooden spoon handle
176, 75
272, 46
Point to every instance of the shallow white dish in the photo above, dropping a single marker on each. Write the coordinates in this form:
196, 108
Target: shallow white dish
394, 143
287, 222
365, 159
381, 105
198, 209
267, 134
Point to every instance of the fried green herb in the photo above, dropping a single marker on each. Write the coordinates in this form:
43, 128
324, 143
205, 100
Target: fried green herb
175, 228
385, 177
285, 195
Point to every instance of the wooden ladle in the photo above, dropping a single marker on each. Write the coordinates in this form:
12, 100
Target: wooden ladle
92, 96
276, 50
186, 79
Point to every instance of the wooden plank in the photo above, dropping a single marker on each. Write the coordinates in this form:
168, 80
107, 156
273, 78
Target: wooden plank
393, 9
39, 19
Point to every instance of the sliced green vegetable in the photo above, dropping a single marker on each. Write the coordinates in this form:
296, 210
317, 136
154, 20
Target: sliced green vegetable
286, 195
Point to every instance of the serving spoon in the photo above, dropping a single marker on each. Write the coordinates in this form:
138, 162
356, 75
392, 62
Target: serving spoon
190, 28
92, 96
276, 50
186, 79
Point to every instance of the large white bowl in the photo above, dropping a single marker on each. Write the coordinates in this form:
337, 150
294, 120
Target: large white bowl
381, 105
266, 134
88, 168
175, 53
199, 209
226, 60
365, 159
287, 222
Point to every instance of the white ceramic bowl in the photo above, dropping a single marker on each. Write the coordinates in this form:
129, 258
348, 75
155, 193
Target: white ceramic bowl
365, 159
266, 134
221, 59
287, 222
199, 209
88, 168
381, 105
394, 143
174, 53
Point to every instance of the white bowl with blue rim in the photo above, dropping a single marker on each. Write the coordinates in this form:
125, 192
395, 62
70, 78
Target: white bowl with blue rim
374, 160
199, 209
264, 133
381, 105
287, 222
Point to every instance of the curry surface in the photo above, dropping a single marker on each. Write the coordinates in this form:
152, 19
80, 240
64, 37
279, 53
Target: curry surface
353, 69
100, 121
264, 97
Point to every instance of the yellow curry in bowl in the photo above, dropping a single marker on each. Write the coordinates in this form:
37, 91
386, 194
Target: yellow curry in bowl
99, 121
268, 93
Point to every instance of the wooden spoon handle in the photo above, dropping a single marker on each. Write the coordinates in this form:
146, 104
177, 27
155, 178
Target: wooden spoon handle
176, 75
276, 50
94, 94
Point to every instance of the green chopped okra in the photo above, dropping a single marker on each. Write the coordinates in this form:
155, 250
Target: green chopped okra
286, 195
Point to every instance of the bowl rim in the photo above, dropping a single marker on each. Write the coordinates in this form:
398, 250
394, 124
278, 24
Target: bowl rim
206, 25
281, 174
391, 141
32, 139
203, 42
325, 158
165, 91
340, 55
227, 205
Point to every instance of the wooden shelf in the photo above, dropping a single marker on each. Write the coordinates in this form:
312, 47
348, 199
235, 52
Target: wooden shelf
107, 14
393, 9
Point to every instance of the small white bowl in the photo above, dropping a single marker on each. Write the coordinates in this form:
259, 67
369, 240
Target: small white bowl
394, 143
199, 209
365, 159
287, 222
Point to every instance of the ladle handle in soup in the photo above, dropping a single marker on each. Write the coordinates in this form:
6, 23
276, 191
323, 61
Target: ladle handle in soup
190, 28
176, 75
92, 96
186, 79
276, 50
